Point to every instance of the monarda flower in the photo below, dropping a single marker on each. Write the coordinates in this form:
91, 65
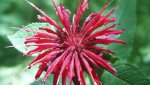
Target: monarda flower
72, 50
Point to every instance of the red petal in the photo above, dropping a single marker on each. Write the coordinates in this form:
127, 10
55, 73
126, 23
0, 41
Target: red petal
55, 79
45, 58
100, 22
36, 50
96, 18
99, 33
102, 62
91, 61
71, 68
88, 19
45, 17
106, 41
52, 67
107, 21
41, 56
31, 40
43, 35
44, 44
41, 69
80, 72
63, 16
101, 49
80, 11
65, 65
90, 71
64, 76
49, 30
116, 32
92, 22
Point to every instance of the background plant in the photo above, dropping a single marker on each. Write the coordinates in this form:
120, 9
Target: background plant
14, 13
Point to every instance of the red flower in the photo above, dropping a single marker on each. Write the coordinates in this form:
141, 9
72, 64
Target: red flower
71, 51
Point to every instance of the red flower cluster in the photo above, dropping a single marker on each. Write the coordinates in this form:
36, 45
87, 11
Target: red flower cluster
72, 50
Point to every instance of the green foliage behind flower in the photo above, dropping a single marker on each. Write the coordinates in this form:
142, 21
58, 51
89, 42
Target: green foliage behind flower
15, 13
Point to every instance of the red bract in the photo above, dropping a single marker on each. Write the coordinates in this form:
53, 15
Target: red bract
72, 50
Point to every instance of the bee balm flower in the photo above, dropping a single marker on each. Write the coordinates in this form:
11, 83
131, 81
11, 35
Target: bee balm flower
71, 50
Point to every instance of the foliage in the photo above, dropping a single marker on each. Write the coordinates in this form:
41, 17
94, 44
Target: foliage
127, 75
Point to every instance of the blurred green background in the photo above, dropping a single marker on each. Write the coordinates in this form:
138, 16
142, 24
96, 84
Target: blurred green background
16, 13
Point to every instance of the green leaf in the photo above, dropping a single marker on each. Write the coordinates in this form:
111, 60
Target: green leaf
108, 79
18, 38
126, 15
127, 75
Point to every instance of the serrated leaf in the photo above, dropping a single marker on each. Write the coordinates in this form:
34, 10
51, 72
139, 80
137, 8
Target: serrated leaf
127, 75
108, 79
18, 38
126, 15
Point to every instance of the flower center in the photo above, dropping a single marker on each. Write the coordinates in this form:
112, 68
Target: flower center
73, 41
77, 44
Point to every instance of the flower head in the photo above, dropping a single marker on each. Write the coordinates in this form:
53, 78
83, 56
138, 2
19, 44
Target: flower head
71, 50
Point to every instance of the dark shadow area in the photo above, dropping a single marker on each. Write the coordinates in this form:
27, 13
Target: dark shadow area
9, 56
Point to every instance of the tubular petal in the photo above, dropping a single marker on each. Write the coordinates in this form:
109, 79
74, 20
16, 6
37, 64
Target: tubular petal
41, 69
45, 44
65, 65
101, 61
46, 58
91, 61
64, 76
55, 62
49, 30
90, 71
40, 56
99, 33
106, 41
71, 68
80, 11
101, 49
48, 19
51, 68
36, 50
63, 16
79, 71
